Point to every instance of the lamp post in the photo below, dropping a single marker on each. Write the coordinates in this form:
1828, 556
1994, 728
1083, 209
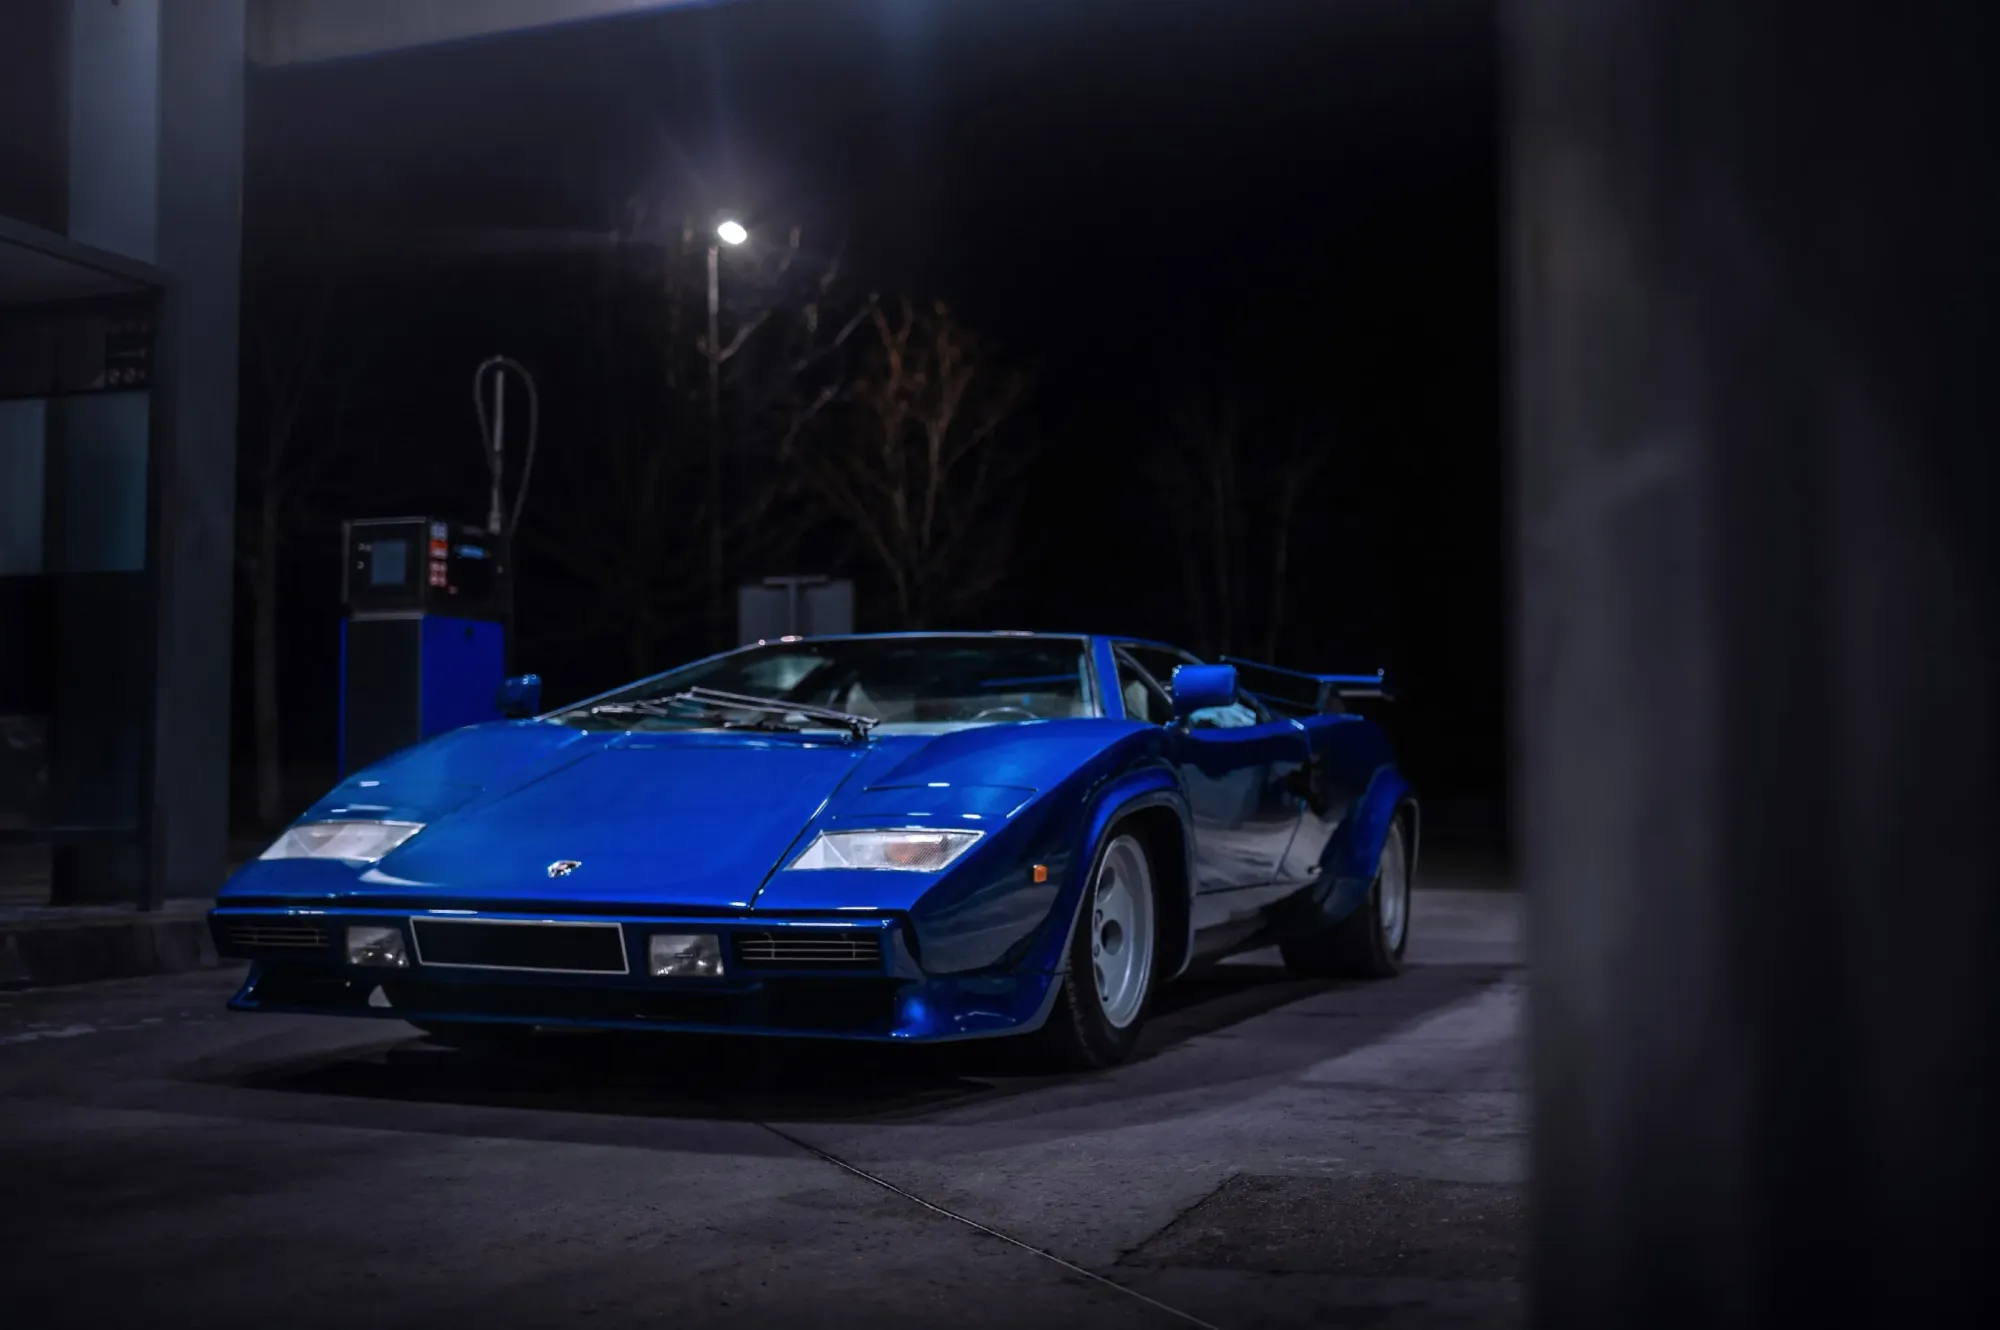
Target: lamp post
727, 232
500, 523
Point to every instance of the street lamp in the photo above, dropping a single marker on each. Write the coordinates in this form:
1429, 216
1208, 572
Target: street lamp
729, 232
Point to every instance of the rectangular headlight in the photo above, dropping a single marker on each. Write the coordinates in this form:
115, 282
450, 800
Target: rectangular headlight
354, 842
907, 851
684, 956
371, 944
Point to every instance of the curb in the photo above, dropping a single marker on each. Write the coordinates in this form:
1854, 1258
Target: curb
39, 952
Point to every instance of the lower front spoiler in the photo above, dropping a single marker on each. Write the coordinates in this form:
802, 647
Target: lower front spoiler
847, 1007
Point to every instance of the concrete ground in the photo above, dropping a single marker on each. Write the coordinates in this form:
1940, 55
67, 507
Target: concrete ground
1282, 1153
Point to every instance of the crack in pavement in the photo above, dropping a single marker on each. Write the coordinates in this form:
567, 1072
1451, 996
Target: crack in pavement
1179, 1215
1071, 1266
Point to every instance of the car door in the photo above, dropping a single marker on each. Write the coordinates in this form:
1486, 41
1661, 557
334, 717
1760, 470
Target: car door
1238, 765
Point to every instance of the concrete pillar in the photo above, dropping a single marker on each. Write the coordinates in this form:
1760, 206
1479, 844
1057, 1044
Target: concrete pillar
156, 174
1758, 654
114, 116
202, 72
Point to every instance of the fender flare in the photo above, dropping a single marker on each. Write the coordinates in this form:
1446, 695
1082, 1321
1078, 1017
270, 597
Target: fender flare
1348, 864
1119, 798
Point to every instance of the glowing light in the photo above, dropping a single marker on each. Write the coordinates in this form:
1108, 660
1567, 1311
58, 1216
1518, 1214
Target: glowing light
731, 233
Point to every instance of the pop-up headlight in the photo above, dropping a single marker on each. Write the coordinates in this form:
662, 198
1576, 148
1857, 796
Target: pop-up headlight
353, 842
909, 851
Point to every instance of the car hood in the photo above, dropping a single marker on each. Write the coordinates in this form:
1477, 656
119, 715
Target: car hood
675, 820
699, 820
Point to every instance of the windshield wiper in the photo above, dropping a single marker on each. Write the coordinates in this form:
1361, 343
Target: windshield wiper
858, 726
712, 699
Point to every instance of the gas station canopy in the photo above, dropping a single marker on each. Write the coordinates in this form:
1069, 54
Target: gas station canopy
39, 267
292, 32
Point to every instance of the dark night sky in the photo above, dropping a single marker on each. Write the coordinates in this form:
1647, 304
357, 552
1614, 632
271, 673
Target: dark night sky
1294, 199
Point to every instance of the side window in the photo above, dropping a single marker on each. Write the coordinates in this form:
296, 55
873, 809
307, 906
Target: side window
1241, 714
1160, 662
1144, 699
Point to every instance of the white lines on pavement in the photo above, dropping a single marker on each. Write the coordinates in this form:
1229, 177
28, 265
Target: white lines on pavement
56, 1032
38, 1032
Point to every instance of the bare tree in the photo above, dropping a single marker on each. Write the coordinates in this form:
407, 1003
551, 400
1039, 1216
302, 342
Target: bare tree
1295, 472
639, 549
1198, 482
289, 311
916, 465
1233, 494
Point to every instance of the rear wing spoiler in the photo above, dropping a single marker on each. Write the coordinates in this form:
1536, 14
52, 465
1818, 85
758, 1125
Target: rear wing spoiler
1297, 690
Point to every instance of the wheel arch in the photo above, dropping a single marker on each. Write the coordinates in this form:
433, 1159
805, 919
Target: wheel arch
1155, 810
1353, 856
1164, 833
1411, 814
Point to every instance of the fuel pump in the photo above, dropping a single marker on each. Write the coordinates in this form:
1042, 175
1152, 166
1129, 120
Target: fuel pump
428, 603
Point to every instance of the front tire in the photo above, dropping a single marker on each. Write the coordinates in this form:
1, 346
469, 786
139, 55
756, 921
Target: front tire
1369, 943
1113, 955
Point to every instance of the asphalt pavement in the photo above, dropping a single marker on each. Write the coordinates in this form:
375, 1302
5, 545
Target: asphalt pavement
1281, 1153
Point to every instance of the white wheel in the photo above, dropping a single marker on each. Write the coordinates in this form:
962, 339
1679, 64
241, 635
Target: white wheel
1395, 889
1369, 943
1121, 931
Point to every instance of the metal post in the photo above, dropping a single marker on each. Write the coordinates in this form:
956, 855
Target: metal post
716, 615
496, 461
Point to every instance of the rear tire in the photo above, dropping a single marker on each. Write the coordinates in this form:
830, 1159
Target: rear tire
1113, 964
1369, 943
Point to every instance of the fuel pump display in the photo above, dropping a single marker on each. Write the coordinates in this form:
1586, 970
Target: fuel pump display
423, 640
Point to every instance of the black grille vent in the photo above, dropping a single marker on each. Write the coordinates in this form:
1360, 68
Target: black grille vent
810, 949
572, 948
274, 935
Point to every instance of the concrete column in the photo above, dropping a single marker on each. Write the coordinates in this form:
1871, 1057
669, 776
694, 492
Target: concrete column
1758, 653
202, 70
156, 174
114, 117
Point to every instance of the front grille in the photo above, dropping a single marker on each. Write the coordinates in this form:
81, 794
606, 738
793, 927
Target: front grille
811, 949
273, 935
496, 944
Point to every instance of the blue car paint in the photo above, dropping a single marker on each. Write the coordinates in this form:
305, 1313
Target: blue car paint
640, 815
978, 950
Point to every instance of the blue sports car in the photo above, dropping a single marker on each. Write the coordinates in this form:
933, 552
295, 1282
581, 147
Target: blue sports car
909, 837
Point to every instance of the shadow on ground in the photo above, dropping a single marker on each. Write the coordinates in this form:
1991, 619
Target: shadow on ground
1230, 1023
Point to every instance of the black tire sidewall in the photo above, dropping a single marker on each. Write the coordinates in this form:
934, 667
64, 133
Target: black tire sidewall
1394, 954
1099, 1041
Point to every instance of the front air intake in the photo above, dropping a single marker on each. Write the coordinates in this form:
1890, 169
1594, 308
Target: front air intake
811, 949
273, 935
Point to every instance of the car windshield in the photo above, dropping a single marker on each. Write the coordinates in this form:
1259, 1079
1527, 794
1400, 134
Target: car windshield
905, 684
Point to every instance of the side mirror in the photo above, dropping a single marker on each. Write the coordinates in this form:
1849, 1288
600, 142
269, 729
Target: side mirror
1199, 687
521, 697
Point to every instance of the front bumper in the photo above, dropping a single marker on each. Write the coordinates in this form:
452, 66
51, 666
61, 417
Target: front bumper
777, 977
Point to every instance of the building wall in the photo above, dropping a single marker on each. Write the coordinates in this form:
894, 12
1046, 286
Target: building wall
116, 559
